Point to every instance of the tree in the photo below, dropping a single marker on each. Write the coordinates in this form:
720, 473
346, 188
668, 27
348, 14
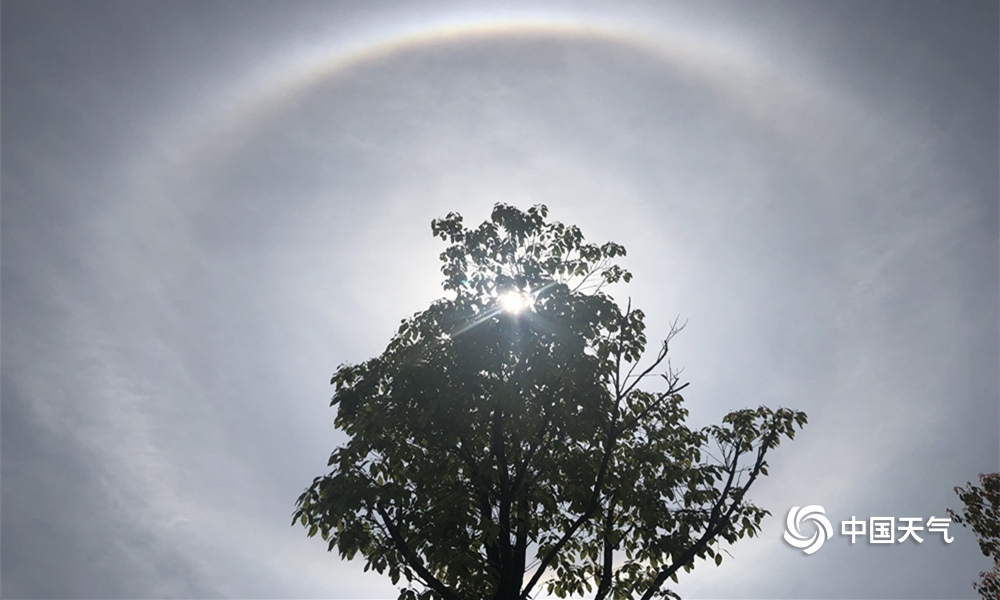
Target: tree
982, 513
502, 443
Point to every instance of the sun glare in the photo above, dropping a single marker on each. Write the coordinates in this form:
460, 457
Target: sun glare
515, 302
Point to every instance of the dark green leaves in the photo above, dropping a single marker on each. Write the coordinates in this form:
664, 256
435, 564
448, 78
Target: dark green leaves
487, 448
520, 249
981, 512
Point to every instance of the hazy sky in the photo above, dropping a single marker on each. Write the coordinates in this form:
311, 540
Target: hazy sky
208, 206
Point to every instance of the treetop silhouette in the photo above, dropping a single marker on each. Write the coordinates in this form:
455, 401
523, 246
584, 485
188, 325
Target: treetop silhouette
503, 443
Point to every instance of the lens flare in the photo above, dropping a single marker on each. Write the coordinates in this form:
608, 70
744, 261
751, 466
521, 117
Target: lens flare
515, 302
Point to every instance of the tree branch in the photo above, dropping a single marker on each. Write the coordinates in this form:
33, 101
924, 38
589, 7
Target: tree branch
412, 559
718, 522
592, 507
607, 571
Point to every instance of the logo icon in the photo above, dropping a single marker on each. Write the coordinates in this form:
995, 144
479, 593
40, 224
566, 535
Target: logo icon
793, 534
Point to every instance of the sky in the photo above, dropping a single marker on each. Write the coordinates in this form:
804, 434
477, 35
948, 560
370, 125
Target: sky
209, 206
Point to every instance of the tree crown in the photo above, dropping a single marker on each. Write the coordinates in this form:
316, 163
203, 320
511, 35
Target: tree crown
502, 442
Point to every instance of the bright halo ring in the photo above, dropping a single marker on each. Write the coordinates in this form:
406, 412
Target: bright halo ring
515, 302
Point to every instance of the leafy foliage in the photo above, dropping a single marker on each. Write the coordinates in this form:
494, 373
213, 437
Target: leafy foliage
982, 513
494, 453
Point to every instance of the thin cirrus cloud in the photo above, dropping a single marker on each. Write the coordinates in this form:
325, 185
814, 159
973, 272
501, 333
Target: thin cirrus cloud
207, 208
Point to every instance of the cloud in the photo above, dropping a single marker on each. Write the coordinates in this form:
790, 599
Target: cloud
178, 284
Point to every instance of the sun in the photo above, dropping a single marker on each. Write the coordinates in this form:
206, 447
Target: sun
515, 302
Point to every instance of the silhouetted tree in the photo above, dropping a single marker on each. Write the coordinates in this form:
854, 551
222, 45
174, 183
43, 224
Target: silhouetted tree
982, 513
502, 442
